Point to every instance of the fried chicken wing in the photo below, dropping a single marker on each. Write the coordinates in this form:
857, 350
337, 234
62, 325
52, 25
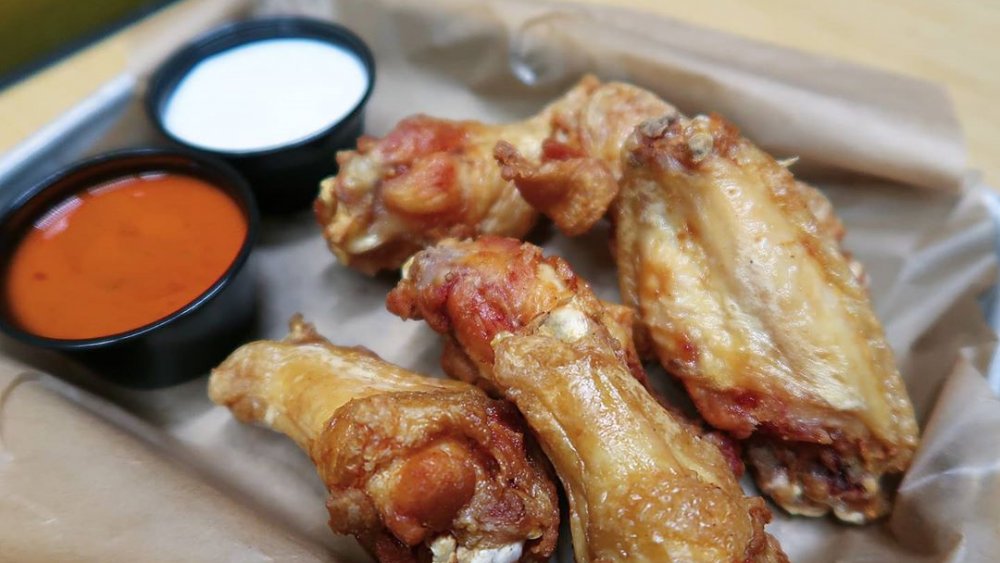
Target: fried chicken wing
738, 276
642, 484
426, 180
575, 178
417, 469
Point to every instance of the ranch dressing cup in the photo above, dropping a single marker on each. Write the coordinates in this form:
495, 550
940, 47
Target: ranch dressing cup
275, 98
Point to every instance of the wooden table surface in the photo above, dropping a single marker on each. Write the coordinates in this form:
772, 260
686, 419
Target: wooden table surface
954, 43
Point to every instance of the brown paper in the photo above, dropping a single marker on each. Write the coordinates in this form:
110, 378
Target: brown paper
78, 487
165, 475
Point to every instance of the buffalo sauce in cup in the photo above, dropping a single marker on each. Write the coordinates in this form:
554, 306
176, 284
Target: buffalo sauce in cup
121, 255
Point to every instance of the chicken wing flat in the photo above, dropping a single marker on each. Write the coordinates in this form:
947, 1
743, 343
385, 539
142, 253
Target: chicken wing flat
642, 484
749, 300
417, 468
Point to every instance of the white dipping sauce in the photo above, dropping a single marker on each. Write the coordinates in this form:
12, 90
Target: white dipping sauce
265, 94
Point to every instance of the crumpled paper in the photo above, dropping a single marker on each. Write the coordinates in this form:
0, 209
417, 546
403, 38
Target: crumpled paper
89, 471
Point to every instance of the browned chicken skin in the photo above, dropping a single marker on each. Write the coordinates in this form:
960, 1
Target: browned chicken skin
575, 178
642, 484
429, 179
749, 300
418, 469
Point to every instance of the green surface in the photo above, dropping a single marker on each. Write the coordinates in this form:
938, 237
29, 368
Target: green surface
32, 31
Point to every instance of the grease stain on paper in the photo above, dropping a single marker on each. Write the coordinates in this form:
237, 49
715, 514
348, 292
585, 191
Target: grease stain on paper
7, 456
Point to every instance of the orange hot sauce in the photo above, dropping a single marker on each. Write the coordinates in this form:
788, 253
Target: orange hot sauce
121, 255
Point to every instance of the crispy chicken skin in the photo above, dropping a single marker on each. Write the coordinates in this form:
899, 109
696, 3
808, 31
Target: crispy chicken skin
426, 180
575, 178
417, 468
642, 484
749, 300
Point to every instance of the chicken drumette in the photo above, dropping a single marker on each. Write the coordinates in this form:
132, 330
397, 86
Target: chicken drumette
417, 468
643, 485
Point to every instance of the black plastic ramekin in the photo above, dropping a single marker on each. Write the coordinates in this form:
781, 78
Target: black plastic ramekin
285, 178
182, 345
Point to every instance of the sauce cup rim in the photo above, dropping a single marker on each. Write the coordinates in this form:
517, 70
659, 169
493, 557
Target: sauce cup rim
237, 190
